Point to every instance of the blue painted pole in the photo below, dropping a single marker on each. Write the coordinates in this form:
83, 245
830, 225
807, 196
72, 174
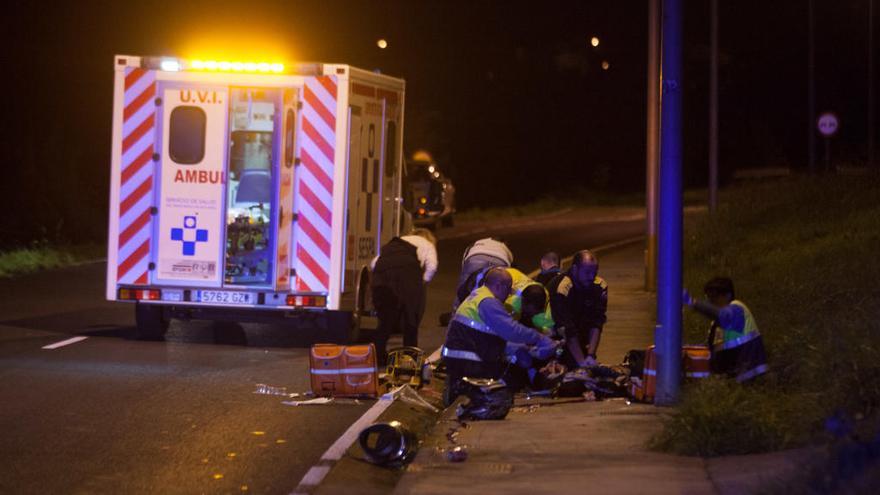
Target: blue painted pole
667, 339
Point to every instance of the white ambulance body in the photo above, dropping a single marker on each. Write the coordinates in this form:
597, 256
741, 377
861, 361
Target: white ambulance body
249, 191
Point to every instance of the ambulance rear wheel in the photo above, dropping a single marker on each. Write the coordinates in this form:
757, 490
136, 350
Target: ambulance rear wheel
151, 321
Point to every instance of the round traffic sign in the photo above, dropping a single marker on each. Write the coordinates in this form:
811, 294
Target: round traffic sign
827, 124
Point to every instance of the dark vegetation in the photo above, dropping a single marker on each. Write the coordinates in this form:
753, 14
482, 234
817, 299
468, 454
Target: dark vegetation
803, 253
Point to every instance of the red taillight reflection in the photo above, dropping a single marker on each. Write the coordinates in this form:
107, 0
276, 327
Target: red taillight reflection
306, 301
140, 294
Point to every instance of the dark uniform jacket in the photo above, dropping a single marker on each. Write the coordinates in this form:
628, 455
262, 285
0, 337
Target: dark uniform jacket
576, 310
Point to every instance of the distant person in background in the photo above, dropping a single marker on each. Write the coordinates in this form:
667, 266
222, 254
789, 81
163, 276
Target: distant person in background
549, 268
579, 301
400, 272
482, 254
736, 344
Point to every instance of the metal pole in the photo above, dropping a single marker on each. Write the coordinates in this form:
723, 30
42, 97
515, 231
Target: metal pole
668, 337
811, 105
713, 110
870, 84
652, 148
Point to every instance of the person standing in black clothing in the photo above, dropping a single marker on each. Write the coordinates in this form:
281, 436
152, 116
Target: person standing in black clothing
579, 301
403, 267
549, 268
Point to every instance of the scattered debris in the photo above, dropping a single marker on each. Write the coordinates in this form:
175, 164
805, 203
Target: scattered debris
457, 454
410, 396
263, 389
527, 409
311, 402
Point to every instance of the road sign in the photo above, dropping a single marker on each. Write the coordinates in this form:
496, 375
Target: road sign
827, 124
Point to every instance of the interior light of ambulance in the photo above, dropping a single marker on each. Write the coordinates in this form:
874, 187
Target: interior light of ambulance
423, 200
228, 66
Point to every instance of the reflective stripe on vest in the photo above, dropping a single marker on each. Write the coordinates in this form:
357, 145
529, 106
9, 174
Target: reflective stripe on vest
468, 313
750, 330
457, 354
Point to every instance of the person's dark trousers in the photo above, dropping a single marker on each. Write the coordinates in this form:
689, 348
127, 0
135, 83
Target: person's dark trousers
399, 305
388, 310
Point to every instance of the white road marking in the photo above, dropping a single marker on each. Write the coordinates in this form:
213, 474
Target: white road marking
63, 343
316, 473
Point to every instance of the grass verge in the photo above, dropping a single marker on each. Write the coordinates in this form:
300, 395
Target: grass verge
42, 256
803, 254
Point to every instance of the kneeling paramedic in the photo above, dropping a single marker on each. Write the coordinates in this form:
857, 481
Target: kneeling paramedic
739, 352
479, 332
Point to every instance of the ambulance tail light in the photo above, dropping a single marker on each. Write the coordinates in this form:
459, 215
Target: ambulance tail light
140, 294
298, 301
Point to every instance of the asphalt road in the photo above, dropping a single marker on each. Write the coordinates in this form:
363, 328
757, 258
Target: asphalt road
113, 415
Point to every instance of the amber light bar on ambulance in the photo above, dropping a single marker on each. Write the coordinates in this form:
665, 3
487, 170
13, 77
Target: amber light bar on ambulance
140, 294
306, 301
226, 66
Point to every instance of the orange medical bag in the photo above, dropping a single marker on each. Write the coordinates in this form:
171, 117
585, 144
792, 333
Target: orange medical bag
344, 371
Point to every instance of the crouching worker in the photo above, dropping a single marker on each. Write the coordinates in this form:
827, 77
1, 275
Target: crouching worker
530, 307
480, 331
739, 351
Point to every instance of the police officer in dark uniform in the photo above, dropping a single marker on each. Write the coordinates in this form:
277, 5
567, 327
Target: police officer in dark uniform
579, 301
479, 332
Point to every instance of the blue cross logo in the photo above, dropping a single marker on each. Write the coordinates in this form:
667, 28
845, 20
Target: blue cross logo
189, 235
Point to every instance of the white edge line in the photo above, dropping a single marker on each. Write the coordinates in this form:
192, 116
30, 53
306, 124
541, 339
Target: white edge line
63, 343
316, 474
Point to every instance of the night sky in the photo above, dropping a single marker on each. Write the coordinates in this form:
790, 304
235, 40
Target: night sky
507, 94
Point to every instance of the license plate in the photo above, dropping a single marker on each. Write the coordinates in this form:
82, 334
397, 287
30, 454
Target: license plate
226, 297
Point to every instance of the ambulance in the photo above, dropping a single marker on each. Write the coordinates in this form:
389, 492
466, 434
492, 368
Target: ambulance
251, 191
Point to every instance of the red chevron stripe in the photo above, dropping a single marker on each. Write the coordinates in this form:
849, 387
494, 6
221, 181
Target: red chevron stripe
135, 227
301, 285
135, 196
315, 136
136, 165
312, 265
317, 171
139, 102
146, 125
142, 280
313, 200
313, 234
133, 259
329, 84
313, 101
133, 76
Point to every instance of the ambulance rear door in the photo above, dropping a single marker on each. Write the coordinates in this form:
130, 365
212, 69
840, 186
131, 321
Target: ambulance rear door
192, 175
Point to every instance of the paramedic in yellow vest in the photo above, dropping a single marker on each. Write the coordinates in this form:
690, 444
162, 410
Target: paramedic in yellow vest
736, 344
479, 332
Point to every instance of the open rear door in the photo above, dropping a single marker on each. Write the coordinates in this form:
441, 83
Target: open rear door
192, 181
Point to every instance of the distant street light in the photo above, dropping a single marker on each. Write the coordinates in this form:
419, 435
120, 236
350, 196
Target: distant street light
382, 44
594, 41
605, 65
